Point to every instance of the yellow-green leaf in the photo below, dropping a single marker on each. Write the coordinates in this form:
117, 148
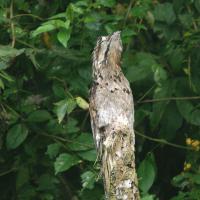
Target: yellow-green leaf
82, 103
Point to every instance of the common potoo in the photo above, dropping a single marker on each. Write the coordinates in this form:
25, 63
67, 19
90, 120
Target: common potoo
111, 111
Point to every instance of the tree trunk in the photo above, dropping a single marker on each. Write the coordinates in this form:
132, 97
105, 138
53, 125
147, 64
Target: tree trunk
112, 117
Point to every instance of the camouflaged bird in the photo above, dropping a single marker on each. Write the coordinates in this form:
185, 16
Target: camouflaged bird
111, 111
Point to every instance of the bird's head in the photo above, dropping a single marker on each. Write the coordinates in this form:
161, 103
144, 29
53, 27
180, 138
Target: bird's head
108, 49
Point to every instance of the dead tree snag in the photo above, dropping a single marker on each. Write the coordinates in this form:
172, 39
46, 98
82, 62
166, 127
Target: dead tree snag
112, 116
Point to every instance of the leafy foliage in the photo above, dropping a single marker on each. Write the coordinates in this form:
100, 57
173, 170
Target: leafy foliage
46, 144
146, 173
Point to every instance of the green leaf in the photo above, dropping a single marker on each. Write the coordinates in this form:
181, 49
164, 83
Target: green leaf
71, 105
197, 5
128, 32
63, 107
159, 107
150, 18
49, 26
64, 161
178, 5
139, 11
141, 113
16, 136
46, 182
189, 112
29, 192
107, 3
72, 126
176, 58
146, 173
13, 115
53, 150
186, 20
82, 103
6, 76
39, 116
165, 13
59, 15
148, 197
22, 177
30, 53
9, 52
94, 194
63, 36
160, 74
3, 17
82, 142
90, 155
140, 67
58, 90
195, 178
171, 122
42, 29
88, 179
52, 126
1, 84
75, 8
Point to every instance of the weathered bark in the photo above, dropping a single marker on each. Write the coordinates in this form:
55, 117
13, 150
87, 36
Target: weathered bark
112, 117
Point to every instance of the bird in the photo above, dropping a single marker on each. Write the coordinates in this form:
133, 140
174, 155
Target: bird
111, 99
111, 110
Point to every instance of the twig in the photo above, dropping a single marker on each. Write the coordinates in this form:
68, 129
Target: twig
28, 15
145, 94
163, 141
66, 185
12, 26
84, 120
125, 20
8, 171
128, 11
189, 71
28, 45
193, 21
54, 136
140, 22
169, 99
57, 138
64, 84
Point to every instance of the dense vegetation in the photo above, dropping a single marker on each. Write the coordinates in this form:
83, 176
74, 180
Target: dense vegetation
46, 146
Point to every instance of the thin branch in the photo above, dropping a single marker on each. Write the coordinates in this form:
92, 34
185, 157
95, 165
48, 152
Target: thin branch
193, 21
66, 185
64, 84
12, 26
28, 15
84, 121
145, 94
28, 45
189, 71
58, 138
54, 136
8, 171
59, 142
163, 141
128, 11
169, 99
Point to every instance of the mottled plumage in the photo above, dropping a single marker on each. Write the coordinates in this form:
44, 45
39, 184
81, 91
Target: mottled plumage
111, 98
111, 111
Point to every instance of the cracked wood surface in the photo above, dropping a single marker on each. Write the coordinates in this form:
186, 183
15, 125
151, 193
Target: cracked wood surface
112, 117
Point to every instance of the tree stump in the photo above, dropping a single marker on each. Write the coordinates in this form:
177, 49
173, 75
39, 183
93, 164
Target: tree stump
112, 117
